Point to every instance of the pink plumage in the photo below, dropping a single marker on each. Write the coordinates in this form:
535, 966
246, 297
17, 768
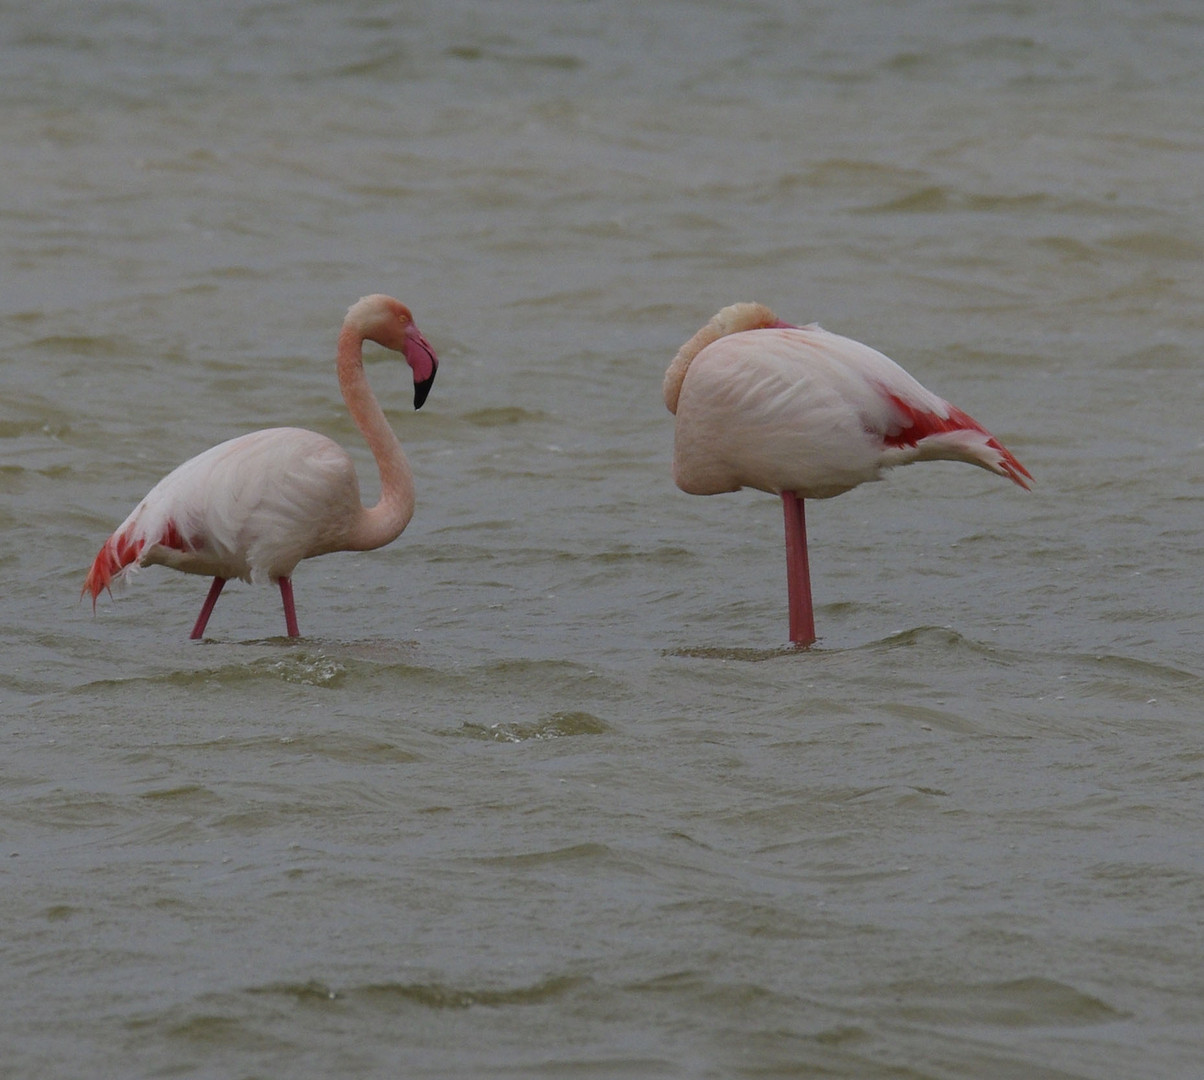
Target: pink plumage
805, 414
255, 506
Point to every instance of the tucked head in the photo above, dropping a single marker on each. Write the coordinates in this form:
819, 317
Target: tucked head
733, 319
388, 322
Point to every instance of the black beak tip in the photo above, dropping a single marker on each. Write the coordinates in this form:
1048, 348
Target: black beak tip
421, 389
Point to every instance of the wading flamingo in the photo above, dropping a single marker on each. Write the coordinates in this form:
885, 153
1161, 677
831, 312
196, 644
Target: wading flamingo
804, 414
254, 507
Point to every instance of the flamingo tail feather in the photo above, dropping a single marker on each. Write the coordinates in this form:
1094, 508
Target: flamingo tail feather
958, 436
122, 554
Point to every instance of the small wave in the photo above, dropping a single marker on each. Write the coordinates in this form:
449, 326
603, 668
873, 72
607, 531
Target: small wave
1016, 1003
743, 655
558, 725
587, 854
431, 995
353, 749
934, 637
308, 670
503, 416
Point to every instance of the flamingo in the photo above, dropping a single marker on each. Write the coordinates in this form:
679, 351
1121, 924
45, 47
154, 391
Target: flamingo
804, 414
255, 506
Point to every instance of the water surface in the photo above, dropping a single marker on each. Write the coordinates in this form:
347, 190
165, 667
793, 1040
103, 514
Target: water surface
541, 791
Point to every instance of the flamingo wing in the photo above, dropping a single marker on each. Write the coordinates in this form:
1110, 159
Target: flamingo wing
914, 423
802, 410
250, 508
773, 410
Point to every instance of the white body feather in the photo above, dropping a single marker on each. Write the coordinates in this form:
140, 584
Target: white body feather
251, 508
809, 412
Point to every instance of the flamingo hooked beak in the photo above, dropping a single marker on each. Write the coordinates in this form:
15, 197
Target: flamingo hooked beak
422, 360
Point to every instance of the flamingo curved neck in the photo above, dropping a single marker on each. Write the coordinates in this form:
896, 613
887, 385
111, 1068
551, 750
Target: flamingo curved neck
385, 521
731, 320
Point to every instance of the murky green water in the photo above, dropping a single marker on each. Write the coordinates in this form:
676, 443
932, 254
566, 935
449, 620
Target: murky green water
541, 792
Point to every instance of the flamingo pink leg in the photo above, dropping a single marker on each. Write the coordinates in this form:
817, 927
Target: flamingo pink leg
290, 612
798, 572
215, 590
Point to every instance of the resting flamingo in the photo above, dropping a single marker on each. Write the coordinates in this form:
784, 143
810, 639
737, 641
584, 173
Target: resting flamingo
255, 506
801, 413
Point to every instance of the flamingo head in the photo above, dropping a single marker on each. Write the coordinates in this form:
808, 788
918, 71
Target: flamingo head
388, 322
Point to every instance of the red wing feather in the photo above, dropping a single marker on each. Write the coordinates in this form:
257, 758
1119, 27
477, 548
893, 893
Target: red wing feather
120, 550
920, 424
